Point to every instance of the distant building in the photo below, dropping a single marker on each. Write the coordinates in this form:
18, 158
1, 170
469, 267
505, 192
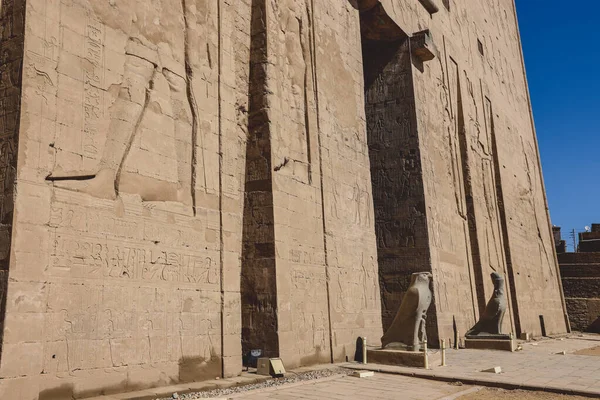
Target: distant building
559, 243
580, 273
589, 242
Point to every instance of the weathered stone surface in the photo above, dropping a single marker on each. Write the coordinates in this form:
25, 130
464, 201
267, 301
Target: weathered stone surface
490, 344
582, 287
183, 180
580, 273
403, 357
584, 314
126, 241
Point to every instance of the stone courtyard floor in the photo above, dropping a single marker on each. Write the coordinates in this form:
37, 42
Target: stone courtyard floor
539, 371
539, 366
380, 387
395, 387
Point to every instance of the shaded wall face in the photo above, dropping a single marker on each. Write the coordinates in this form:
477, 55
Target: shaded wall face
12, 17
127, 226
285, 308
312, 155
394, 153
302, 292
258, 280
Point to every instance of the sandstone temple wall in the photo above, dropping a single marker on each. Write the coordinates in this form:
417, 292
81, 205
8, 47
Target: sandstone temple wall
186, 180
311, 187
484, 201
125, 260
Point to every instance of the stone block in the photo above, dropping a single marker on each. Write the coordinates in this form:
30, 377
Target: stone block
422, 46
19, 388
23, 327
495, 370
490, 344
21, 359
363, 374
402, 358
232, 366
430, 6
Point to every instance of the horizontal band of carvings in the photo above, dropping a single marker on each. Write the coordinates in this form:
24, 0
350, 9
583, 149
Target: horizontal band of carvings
101, 258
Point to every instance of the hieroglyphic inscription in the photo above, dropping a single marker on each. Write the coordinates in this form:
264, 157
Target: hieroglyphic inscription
7, 172
356, 289
92, 86
309, 282
68, 217
352, 203
397, 177
96, 258
93, 221
307, 257
309, 317
399, 234
452, 297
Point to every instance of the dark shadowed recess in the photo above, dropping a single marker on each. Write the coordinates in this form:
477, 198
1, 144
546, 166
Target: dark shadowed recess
394, 155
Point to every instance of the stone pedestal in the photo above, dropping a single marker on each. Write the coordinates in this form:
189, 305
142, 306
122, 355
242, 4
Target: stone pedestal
491, 344
403, 357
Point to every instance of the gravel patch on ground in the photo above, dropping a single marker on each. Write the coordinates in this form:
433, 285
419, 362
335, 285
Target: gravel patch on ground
502, 394
592, 351
292, 378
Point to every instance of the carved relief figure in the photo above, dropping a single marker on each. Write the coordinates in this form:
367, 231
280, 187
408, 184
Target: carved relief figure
492, 223
408, 327
297, 88
156, 82
7, 154
490, 323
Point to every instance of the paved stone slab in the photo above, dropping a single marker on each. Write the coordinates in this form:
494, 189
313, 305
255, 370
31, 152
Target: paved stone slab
380, 386
401, 357
537, 367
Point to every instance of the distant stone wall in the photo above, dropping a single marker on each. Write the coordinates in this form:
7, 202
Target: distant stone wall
590, 241
581, 284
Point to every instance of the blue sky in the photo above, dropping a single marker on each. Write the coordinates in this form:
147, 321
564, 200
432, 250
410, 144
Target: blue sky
561, 42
